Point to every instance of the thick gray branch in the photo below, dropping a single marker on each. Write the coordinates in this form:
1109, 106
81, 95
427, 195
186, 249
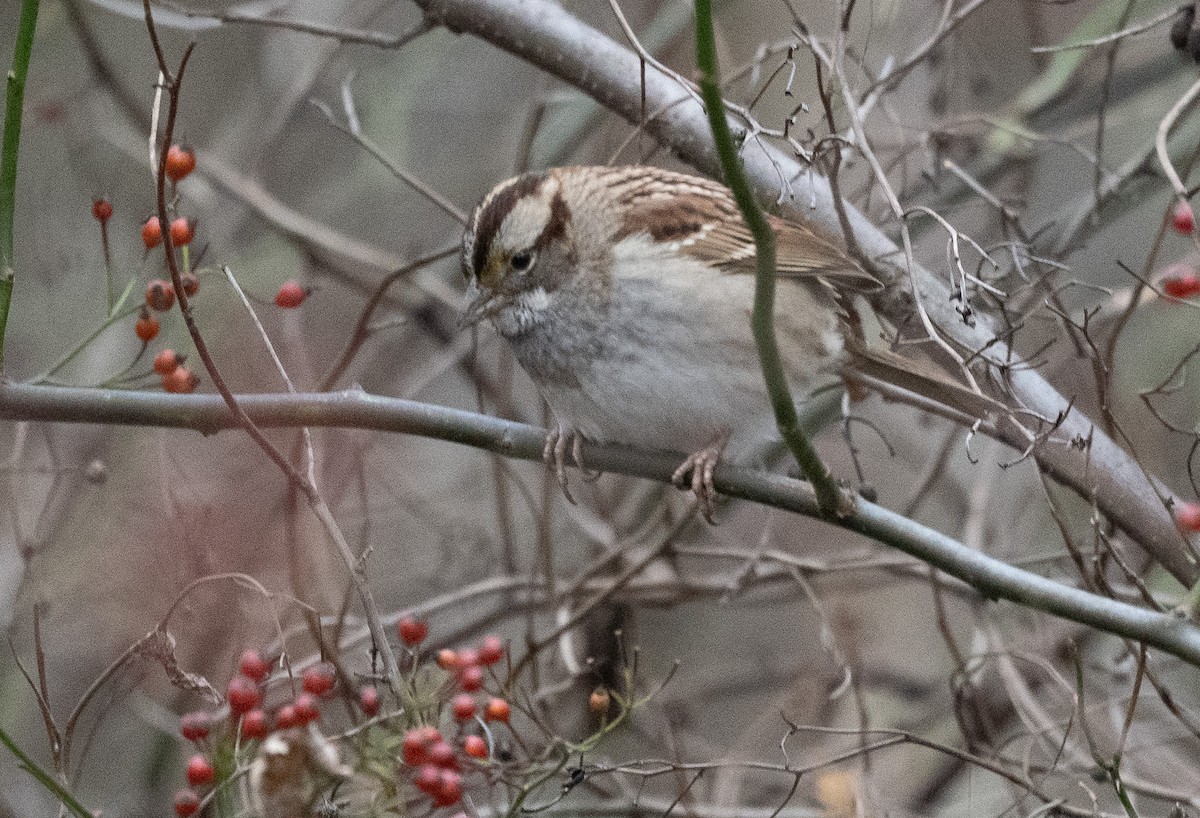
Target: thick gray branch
357, 409
549, 37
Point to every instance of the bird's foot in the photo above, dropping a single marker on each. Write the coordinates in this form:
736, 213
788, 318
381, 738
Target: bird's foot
696, 473
559, 440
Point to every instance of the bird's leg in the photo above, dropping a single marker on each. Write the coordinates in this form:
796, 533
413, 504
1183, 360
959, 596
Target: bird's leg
696, 473
554, 453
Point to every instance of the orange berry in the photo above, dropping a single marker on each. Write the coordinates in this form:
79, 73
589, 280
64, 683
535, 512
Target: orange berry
599, 700
291, 295
497, 710
448, 659
151, 233
180, 162
146, 328
180, 381
160, 295
166, 361
475, 747
182, 231
102, 209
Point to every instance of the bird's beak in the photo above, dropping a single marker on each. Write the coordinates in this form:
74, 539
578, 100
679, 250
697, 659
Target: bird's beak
481, 304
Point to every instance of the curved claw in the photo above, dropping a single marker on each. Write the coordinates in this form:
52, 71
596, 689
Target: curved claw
555, 455
697, 472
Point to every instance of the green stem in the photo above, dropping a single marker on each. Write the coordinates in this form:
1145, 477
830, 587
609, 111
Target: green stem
46, 780
117, 313
14, 102
762, 321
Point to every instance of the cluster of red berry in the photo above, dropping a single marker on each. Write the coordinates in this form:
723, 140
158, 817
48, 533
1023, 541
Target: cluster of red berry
248, 719
437, 764
1181, 280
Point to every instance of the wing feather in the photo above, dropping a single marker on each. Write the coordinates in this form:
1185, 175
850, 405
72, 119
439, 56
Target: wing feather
702, 219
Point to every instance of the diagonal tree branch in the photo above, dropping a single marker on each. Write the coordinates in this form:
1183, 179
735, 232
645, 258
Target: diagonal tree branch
1077, 453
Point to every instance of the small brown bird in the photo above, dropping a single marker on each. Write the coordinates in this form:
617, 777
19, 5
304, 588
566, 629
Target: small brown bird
626, 293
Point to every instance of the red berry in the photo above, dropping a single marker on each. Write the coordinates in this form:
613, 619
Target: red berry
291, 294
442, 755
253, 665
102, 209
368, 700
255, 725
468, 657
1180, 281
182, 232
318, 679
286, 717
497, 710
463, 706
471, 678
151, 233
186, 803
1187, 516
146, 328
191, 284
412, 631
180, 381
200, 771
427, 779
449, 789
194, 726
447, 659
306, 708
414, 750
166, 361
180, 162
475, 747
429, 734
243, 695
160, 295
1183, 219
491, 650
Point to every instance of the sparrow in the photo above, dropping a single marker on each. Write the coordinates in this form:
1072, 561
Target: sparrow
626, 293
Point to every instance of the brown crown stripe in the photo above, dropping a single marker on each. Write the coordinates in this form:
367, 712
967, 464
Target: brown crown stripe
494, 210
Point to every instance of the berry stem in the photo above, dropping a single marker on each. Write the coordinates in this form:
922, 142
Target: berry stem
14, 101
44, 778
116, 313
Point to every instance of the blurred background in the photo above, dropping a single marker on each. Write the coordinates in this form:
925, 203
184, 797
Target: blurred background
766, 620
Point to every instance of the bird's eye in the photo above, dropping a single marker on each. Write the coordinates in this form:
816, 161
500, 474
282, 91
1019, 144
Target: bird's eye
521, 262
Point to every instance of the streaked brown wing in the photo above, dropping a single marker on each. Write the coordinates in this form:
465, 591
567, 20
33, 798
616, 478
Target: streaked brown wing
703, 219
